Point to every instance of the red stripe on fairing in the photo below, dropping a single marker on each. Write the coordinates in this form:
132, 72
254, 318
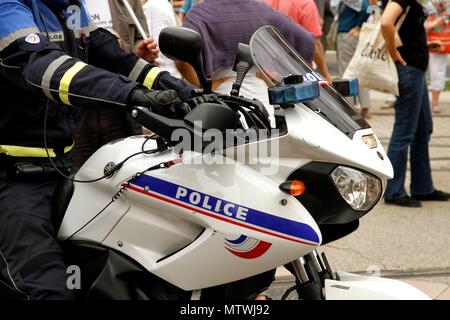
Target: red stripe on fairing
214, 216
256, 252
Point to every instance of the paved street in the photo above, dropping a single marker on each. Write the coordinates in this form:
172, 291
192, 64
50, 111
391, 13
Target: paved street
407, 244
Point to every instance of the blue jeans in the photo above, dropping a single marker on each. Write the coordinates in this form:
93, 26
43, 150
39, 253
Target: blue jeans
412, 130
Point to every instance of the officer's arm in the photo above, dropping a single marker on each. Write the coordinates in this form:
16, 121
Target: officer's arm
105, 53
42, 66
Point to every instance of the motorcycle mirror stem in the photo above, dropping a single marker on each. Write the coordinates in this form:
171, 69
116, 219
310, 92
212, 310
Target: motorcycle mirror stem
242, 65
183, 44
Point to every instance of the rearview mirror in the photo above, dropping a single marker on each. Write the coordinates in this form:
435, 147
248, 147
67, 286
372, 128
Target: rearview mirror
179, 43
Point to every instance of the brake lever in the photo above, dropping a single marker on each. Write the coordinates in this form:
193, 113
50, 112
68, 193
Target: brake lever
197, 92
203, 98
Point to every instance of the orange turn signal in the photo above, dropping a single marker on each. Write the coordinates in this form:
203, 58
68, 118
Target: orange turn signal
293, 187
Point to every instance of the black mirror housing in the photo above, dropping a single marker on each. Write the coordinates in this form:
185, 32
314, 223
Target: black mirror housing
183, 44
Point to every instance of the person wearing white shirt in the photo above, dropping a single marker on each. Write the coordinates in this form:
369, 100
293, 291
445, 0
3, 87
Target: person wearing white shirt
160, 14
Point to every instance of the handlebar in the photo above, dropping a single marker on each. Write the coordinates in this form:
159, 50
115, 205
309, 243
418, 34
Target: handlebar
214, 111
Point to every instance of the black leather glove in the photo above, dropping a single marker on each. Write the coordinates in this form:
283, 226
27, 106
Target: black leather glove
157, 101
165, 81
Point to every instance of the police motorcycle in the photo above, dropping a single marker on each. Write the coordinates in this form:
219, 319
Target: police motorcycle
171, 222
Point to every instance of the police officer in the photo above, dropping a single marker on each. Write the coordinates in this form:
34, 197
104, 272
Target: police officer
52, 58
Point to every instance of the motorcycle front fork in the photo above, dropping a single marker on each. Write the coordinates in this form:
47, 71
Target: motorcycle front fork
310, 272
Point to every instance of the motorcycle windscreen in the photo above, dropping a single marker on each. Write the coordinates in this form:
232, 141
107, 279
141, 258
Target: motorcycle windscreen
276, 59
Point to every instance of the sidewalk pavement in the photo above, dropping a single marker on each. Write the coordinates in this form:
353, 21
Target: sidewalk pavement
409, 244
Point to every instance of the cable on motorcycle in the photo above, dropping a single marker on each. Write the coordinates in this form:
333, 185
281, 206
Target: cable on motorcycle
107, 174
160, 147
118, 194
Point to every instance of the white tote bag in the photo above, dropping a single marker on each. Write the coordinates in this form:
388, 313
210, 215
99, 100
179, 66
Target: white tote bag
371, 64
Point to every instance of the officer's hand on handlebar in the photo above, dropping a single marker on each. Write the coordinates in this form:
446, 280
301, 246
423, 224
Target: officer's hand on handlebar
164, 102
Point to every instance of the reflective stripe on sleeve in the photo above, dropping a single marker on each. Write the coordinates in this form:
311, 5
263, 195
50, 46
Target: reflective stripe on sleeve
151, 76
19, 151
64, 84
49, 74
13, 36
137, 69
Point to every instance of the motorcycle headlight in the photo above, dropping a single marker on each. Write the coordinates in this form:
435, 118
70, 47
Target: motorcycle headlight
360, 190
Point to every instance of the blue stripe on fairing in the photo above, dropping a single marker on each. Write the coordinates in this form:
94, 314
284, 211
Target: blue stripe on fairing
254, 217
238, 240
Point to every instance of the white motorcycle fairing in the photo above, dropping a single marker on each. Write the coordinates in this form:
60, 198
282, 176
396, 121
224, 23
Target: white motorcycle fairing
356, 287
187, 220
179, 231
180, 223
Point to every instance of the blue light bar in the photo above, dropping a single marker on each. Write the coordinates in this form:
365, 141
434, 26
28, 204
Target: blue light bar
295, 93
354, 87
348, 88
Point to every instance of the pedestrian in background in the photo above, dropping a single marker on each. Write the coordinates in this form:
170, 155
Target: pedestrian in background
351, 17
159, 15
176, 4
413, 121
327, 17
188, 4
222, 26
306, 14
437, 65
